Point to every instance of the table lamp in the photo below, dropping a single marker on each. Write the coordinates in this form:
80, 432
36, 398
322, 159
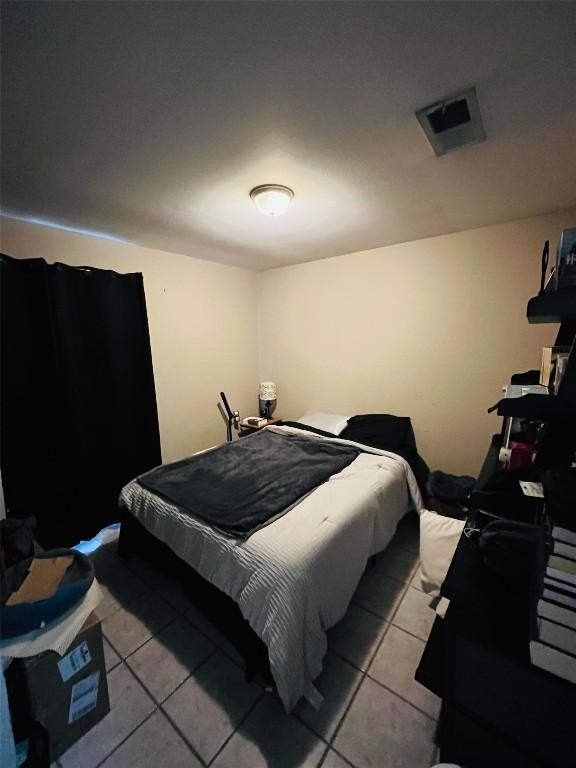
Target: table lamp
267, 398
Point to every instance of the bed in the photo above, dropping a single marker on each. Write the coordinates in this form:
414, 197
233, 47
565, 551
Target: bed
294, 576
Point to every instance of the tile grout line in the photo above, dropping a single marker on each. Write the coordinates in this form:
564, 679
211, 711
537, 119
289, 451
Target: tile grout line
156, 590
169, 717
124, 740
390, 621
387, 623
343, 758
161, 629
180, 684
164, 627
422, 712
323, 758
177, 728
240, 724
316, 735
363, 673
157, 705
181, 734
150, 588
160, 708
160, 704
366, 674
148, 716
368, 665
328, 742
214, 643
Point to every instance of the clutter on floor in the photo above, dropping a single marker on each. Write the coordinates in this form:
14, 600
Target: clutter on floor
51, 648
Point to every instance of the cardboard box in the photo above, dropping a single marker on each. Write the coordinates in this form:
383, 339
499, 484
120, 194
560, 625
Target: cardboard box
65, 695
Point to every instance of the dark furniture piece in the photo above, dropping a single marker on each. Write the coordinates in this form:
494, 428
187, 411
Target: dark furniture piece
498, 709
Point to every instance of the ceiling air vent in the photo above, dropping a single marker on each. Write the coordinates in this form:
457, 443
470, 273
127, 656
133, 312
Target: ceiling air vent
452, 123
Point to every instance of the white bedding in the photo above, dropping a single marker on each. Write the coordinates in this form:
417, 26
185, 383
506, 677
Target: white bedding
294, 578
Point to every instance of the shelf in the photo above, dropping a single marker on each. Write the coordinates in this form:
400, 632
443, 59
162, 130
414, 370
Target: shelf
552, 307
540, 407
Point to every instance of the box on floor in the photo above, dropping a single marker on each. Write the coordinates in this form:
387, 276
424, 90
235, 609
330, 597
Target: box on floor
57, 699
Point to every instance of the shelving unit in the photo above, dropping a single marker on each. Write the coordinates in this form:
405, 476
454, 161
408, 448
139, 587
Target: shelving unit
558, 411
497, 707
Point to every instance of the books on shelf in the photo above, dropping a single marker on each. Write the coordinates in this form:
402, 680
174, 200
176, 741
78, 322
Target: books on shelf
564, 534
564, 550
558, 636
553, 643
562, 569
565, 598
556, 613
552, 366
561, 585
552, 660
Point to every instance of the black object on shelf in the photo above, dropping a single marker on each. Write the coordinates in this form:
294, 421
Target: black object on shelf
528, 377
541, 407
552, 307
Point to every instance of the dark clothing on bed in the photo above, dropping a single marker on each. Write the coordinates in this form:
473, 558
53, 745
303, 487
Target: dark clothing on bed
239, 487
389, 433
384, 431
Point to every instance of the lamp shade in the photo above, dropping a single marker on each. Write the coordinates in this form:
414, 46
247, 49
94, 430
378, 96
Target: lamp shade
272, 199
267, 390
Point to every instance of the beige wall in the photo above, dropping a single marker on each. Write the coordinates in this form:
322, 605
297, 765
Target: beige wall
202, 321
430, 329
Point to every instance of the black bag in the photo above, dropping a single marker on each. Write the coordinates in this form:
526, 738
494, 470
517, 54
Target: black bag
17, 539
450, 489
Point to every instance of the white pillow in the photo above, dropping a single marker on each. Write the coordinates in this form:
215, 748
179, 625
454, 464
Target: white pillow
329, 422
439, 537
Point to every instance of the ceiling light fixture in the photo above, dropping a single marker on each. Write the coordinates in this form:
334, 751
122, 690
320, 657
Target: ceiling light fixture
272, 199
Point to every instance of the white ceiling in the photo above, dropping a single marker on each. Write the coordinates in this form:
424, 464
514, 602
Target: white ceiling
151, 121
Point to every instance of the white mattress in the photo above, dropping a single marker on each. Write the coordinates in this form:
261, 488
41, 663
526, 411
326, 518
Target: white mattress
294, 578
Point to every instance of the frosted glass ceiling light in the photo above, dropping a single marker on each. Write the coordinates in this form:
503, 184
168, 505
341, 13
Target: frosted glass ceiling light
272, 199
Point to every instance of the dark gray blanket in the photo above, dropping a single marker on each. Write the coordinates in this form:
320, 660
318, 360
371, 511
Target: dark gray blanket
239, 487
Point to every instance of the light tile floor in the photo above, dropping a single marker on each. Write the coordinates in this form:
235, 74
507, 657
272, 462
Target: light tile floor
179, 698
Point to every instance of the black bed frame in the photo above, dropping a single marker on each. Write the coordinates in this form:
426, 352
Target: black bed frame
217, 607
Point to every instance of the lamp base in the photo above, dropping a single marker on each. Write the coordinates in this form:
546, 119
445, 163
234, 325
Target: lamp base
267, 408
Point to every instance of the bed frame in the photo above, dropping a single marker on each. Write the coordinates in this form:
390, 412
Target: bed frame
215, 605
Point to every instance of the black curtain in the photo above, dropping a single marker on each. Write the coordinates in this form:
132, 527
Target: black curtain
78, 404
